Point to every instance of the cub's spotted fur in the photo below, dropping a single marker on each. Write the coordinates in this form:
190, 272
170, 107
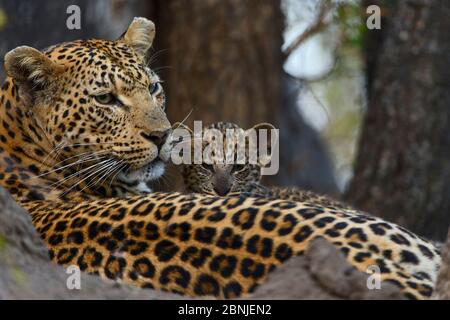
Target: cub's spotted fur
234, 179
84, 119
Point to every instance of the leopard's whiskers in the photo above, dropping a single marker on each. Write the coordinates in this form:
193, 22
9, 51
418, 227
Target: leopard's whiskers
118, 170
97, 173
55, 149
154, 56
85, 159
87, 153
108, 172
63, 144
93, 168
77, 173
185, 118
165, 181
156, 70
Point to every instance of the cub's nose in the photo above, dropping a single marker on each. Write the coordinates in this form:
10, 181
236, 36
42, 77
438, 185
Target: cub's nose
222, 189
157, 137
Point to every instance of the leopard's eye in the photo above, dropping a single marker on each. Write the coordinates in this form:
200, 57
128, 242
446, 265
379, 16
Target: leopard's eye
106, 98
153, 88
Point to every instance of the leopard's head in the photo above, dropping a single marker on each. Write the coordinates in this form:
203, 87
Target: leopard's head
96, 102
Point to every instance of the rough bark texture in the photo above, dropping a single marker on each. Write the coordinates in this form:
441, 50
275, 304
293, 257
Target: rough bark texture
27, 273
374, 40
403, 167
442, 291
225, 59
42, 23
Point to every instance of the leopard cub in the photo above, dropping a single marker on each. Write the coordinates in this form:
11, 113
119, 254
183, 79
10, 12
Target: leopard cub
243, 179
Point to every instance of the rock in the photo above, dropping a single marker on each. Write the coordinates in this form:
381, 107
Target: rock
323, 273
442, 291
26, 271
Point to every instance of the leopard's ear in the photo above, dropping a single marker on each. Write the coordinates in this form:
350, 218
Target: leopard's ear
27, 65
140, 35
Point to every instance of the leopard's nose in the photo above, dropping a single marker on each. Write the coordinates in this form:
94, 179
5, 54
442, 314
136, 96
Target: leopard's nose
157, 137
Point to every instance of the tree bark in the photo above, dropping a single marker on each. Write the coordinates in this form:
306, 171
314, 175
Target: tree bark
402, 169
225, 59
374, 40
42, 23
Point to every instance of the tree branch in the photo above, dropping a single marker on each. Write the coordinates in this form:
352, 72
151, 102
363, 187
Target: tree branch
315, 28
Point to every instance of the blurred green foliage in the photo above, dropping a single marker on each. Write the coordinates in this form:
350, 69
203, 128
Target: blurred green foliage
350, 20
19, 276
3, 19
342, 91
2, 243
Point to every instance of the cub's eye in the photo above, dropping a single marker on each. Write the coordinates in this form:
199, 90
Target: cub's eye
153, 88
238, 167
106, 98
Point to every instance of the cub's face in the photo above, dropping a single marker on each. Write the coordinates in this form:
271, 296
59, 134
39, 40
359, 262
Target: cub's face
98, 102
221, 180
225, 179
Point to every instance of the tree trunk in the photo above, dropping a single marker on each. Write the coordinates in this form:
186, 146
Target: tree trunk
225, 59
402, 170
42, 23
374, 39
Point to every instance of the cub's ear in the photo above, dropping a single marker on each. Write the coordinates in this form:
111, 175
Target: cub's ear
264, 158
140, 35
30, 66
264, 125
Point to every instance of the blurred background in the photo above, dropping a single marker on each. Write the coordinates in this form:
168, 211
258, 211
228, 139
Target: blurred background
363, 114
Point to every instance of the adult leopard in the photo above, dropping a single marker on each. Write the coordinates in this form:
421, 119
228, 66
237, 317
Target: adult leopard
82, 113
